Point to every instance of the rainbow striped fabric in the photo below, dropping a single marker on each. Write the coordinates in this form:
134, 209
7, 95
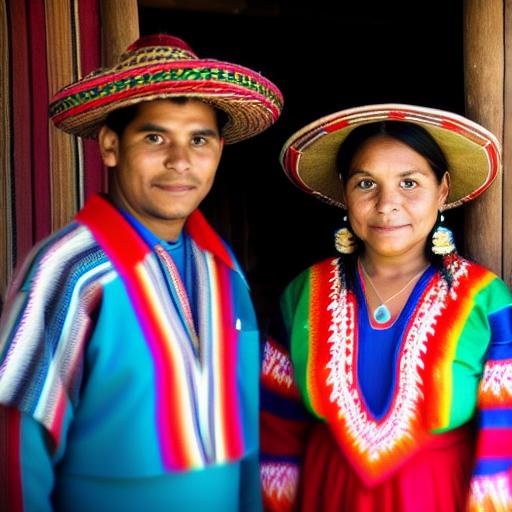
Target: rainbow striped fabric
60, 294
454, 364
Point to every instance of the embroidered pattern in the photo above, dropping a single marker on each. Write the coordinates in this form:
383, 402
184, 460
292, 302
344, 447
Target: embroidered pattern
497, 382
491, 493
279, 482
144, 79
370, 437
277, 367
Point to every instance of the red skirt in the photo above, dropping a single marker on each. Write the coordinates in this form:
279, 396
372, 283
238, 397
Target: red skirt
436, 479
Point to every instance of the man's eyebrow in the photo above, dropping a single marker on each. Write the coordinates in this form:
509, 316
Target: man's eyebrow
204, 132
150, 127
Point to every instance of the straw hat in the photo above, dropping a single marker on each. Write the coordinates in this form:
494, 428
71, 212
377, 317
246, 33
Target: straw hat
162, 66
472, 152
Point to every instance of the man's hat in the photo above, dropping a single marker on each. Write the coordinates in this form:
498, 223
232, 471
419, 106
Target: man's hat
472, 152
162, 66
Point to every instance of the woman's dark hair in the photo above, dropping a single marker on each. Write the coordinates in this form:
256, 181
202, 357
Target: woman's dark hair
413, 135
418, 139
120, 118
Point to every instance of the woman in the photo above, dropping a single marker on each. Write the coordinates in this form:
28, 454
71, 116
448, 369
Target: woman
387, 379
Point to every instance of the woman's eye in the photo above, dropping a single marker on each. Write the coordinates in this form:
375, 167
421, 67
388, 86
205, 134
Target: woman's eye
408, 184
365, 184
154, 138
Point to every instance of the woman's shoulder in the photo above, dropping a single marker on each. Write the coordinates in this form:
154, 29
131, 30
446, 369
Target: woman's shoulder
302, 282
487, 287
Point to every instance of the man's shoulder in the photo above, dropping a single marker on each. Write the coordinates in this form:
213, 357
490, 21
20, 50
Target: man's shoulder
71, 250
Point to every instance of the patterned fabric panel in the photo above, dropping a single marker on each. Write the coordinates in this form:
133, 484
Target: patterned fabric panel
41, 347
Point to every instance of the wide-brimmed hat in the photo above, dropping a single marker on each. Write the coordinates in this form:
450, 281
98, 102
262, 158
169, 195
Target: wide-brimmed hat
472, 152
162, 66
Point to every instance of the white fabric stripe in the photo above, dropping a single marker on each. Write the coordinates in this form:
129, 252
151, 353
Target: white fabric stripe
68, 348
32, 323
184, 361
206, 418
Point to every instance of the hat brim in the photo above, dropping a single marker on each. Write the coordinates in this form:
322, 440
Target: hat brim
472, 152
251, 102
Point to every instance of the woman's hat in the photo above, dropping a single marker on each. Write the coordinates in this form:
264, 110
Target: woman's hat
472, 152
162, 66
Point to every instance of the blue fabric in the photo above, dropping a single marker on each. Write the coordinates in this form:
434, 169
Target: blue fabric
501, 326
218, 492
492, 466
378, 349
495, 418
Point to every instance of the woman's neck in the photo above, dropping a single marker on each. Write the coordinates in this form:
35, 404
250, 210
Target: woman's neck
391, 267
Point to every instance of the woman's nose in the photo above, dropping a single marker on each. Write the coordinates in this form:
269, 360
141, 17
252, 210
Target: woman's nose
388, 200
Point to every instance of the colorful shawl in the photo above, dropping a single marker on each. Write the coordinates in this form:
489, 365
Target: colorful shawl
48, 324
198, 418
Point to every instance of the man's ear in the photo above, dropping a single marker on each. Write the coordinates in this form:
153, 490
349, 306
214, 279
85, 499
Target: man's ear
109, 146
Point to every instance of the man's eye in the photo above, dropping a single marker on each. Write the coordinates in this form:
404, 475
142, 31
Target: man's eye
408, 184
154, 138
199, 140
366, 184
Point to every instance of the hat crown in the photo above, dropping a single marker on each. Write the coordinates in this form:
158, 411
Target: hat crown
149, 50
159, 40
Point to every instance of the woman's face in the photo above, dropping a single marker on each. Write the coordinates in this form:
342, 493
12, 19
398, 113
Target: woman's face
393, 197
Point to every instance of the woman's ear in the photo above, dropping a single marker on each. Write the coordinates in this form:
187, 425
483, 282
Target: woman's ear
444, 188
109, 146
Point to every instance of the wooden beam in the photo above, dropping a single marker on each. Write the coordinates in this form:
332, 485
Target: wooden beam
62, 146
507, 149
484, 78
120, 28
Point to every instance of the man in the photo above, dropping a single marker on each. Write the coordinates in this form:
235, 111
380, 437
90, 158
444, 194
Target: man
128, 347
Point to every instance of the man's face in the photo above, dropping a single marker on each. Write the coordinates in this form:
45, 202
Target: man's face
164, 163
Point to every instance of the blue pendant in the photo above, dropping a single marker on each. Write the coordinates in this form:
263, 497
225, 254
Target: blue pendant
382, 314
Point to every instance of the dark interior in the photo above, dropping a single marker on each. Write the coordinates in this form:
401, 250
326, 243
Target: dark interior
324, 57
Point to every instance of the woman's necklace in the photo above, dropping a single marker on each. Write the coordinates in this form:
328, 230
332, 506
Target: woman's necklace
381, 313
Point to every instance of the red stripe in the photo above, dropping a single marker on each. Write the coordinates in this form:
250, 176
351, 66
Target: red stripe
114, 234
397, 114
291, 167
90, 59
11, 498
494, 442
21, 133
207, 238
185, 65
202, 87
280, 436
336, 126
229, 348
40, 139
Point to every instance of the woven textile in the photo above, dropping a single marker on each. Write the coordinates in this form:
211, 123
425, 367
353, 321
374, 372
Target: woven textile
45, 175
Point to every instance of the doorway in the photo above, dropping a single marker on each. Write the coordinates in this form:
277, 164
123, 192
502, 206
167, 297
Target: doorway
324, 57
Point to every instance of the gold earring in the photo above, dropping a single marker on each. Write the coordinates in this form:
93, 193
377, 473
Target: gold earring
443, 242
344, 240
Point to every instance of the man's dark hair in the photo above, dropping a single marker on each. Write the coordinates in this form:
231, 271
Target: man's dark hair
120, 118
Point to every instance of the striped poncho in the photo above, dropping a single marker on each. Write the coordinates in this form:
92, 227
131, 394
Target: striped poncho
102, 348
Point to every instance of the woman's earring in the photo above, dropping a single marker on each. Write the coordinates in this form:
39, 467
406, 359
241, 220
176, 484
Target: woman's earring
442, 239
344, 240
